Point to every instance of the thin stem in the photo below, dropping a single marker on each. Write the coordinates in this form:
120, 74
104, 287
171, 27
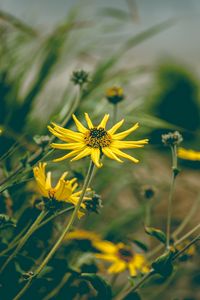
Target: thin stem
65, 231
197, 238
171, 192
57, 289
124, 293
24, 239
187, 235
115, 110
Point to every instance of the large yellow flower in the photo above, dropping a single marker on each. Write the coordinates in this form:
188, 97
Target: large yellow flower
64, 190
95, 141
122, 257
188, 154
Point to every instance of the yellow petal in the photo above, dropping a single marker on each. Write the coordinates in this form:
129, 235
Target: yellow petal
95, 156
48, 181
132, 269
88, 120
107, 257
68, 146
115, 127
104, 122
79, 125
123, 134
122, 154
129, 144
83, 153
118, 267
110, 154
70, 154
106, 246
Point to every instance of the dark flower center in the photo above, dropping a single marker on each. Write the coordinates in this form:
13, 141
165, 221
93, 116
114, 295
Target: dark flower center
97, 138
125, 254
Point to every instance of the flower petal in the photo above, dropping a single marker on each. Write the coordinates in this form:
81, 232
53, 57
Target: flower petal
110, 154
118, 267
68, 146
95, 156
122, 154
123, 134
104, 122
116, 127
88, 120
129, 144
70, 154
79, 125
106, 246
83, 153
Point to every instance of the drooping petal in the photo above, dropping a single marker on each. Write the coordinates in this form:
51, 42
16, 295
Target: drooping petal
122, 154
123, 134
118, 267
129, 144
116, 127
88, 120
70, 154
68, 146
66, 135
132, 269
106, 246
83, 153
95, 156
104, 122
48, 181
110, 154
79, 125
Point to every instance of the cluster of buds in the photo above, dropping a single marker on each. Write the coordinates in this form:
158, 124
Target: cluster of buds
115, 94
94, 204
80, 77
172, 138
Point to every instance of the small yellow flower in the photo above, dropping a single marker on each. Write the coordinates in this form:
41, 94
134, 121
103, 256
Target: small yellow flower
115, 94
122, 258
95, 141
188, 154
63, 191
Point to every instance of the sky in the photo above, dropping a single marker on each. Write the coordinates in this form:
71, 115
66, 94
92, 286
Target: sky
181, 42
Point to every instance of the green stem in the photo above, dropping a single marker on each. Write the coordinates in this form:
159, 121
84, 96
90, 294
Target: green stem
187, 235
124, 293
57, 289
115, 110
197, 238
24, 240
65, 231
171, 192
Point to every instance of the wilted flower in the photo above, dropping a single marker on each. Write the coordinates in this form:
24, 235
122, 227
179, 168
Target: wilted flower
115, 94
64, 190
95, 141
188, 154
80, 77
172, 138
122, 257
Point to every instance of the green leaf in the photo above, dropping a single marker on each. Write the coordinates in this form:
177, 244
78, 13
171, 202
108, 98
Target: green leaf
141, 245
157, 233
103, 289
163, 264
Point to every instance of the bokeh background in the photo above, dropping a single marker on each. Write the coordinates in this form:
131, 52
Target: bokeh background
150, 48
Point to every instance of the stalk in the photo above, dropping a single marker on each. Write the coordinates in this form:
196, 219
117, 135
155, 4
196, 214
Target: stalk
24, 239
65, 231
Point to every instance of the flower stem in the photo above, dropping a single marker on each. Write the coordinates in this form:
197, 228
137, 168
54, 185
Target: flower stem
65, 231
187, 234
169, 208
124, 293
24, 239
115, 110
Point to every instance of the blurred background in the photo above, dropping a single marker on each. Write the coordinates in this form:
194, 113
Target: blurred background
151, 49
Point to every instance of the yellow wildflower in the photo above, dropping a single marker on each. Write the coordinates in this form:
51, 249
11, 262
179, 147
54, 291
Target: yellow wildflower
115, 94
63, 191
188, 154
95, 141
122, 258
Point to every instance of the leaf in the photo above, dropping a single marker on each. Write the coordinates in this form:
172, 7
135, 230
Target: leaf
100, 285
157, 233
163, 264
141, 245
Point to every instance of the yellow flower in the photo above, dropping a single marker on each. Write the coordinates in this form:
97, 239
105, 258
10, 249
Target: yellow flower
122, 258
63, 191
188, 154
115, 94
95, 141
83, 235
